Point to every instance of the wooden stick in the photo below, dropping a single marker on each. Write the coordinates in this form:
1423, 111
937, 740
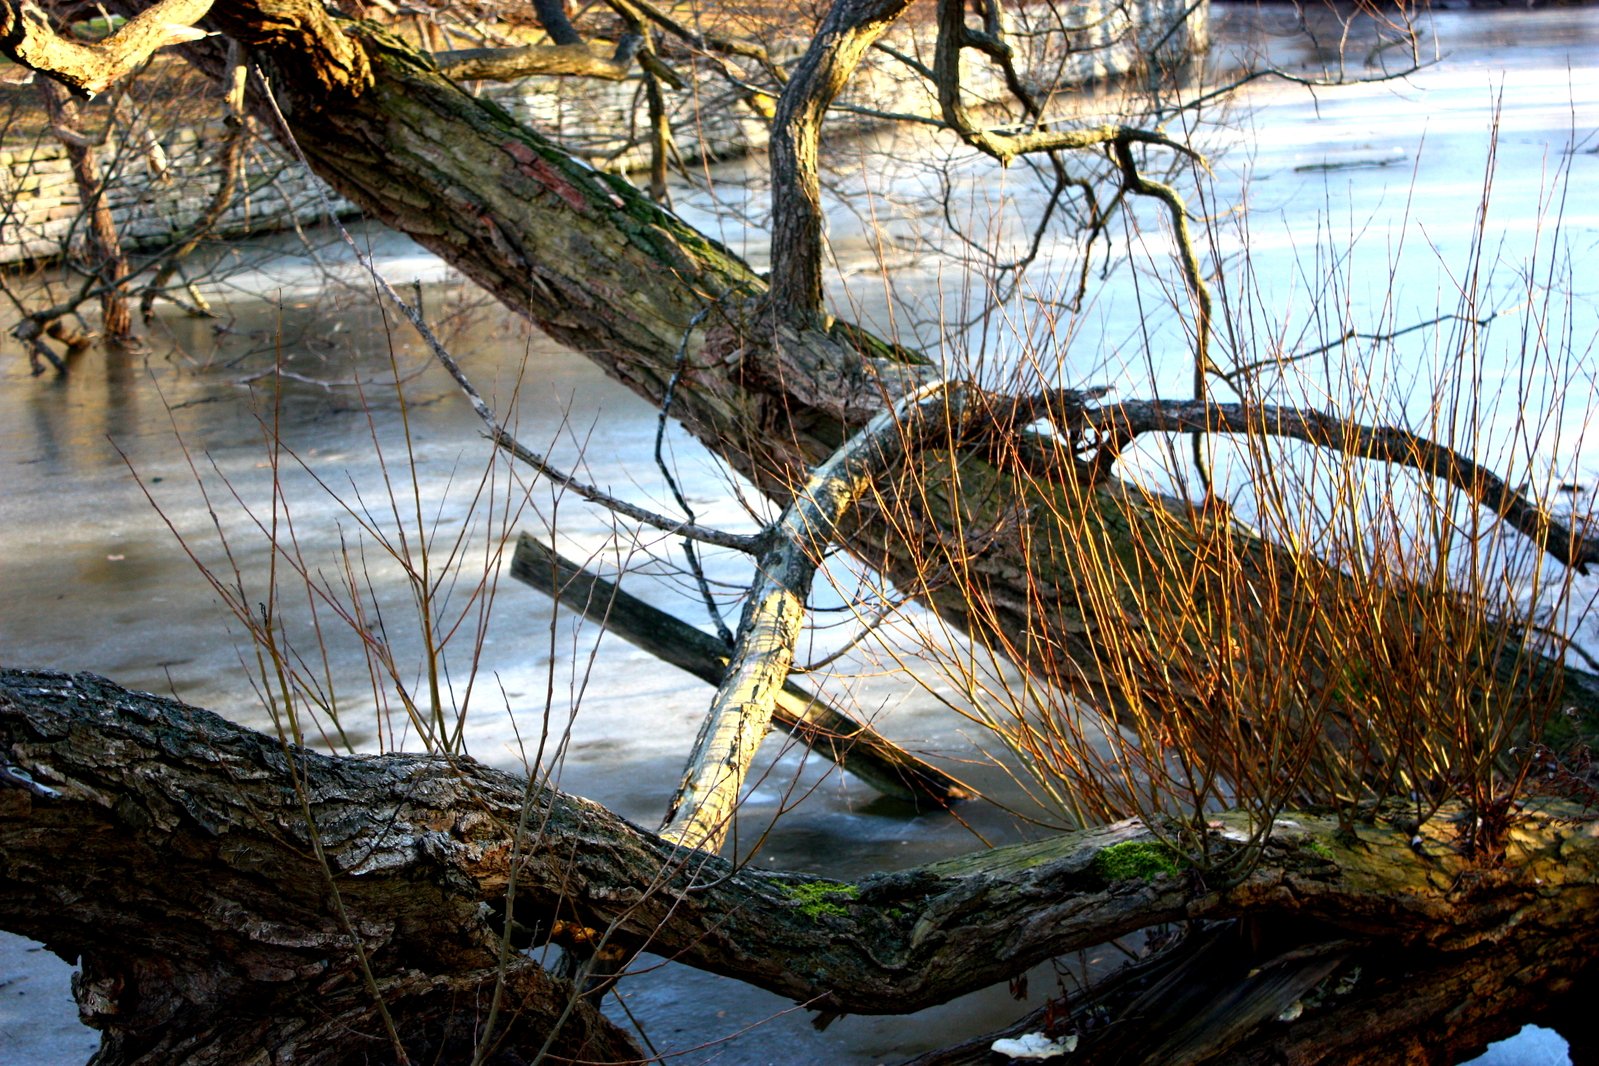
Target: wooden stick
807, 717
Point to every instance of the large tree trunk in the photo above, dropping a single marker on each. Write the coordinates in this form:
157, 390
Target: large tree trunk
594, 263
228, 893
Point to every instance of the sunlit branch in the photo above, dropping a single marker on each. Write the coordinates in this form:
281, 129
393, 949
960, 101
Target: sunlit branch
91, 69
539, 60
1388, 444
701, 813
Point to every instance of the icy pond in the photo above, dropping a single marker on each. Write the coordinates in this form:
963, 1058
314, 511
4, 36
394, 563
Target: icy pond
93, 579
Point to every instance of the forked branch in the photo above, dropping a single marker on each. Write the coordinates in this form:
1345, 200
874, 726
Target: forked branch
91, 69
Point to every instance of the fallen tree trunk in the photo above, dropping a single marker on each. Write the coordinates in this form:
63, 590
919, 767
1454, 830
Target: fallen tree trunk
228, 893
767, 386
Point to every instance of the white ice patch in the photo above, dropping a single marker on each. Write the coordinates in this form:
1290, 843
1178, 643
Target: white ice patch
1035, 1046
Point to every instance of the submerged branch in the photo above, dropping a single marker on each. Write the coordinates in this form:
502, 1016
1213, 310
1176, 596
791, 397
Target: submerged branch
803, 714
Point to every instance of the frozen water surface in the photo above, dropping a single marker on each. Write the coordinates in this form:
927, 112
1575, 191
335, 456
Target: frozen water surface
94, 580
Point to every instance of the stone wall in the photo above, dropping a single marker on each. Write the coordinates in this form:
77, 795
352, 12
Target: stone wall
157, 193
1105, 39
155, 197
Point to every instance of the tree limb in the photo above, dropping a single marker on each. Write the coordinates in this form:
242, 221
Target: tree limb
1389, 444
168, 849
91, 69
701, 813
536, 60
801, 713
843, 38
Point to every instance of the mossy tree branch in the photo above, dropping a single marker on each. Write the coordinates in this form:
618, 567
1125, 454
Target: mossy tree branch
168, 849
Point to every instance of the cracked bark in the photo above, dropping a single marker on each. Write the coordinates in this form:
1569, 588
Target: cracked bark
169, 850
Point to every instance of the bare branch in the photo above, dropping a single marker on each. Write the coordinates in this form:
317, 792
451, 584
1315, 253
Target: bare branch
701, 813
848, 31
1388, 444
536, 60
1006, 145
713, 43
91, 69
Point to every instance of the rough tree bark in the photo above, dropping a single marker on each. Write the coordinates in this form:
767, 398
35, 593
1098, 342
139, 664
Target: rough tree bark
596, 265
235, 899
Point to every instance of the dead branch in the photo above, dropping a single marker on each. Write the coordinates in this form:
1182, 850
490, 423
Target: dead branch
701, 812
802, 714
1389, 444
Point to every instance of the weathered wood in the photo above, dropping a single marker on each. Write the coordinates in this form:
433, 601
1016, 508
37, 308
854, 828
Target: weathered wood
804, 715
701, 813
177, 855
91, 69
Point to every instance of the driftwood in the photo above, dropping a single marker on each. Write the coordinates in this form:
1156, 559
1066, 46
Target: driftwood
803, 714
229, 894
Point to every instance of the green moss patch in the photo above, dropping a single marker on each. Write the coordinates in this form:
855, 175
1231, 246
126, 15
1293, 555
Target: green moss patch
1142, 859
818, 898
1317, 848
